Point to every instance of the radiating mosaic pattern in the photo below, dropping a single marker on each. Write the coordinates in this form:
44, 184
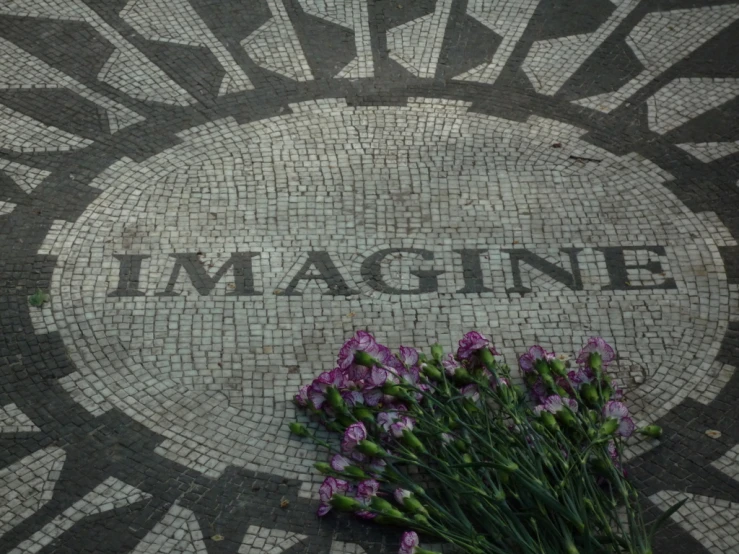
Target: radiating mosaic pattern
215, 194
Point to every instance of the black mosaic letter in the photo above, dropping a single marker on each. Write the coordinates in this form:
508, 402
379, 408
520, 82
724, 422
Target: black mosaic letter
326, 272
128, 275
372, 272
618, 271
472, 272
204, 283
570, 280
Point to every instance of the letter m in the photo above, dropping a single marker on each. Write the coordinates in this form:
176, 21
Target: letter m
204, 283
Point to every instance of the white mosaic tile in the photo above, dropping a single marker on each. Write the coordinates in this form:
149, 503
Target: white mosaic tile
84, 394
346, 183
339, 547
42, 318
13, 420
72, 10
21, 70
710, 151
734, 302
177, 533
662, 39
416, 45
684, 99
6, 207
353, 15
22, 133
728, 464
721, 235
716, 379
506, 18
27, 486
127, 69
712, 522
109, 495
275, 45
260, 540
550, 63
26, 177
177, 22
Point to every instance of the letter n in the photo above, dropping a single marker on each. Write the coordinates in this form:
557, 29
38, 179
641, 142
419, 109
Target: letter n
572, 280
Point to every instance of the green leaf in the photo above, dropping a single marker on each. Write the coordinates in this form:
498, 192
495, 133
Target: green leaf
38, 298
664, 517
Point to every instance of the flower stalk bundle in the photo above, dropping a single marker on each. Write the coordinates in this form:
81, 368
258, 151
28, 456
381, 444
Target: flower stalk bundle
446, 445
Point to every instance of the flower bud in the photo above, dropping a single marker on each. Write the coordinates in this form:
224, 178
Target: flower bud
324, 468
589, 394
467, 458
412, 441
344, 503
595, 362
355, 471
298, 429
460, 445
561, 392
334, 399
381, 505
414, 506
395, 517
364, 414
371, 449
542, 367
558, 367
462, 376
609, 427
539, 428
654, 431
422, 519
437, 352
601, 466
364, 359
566, 417
549, 421
431, 372
486, 357
392, 389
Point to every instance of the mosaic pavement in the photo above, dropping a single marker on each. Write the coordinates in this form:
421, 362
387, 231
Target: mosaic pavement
216, 193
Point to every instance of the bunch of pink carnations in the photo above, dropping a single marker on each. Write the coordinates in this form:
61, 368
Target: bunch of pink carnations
447, 445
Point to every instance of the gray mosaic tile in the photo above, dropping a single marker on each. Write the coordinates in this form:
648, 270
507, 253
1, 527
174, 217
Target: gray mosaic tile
275, 46
107, 496
713, 522
177, 22
507, 19
660, 40
127, 69
711, 151
683, 99
204, 258
27, 485
552, 62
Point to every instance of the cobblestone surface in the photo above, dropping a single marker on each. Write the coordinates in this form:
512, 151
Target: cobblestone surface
215, 194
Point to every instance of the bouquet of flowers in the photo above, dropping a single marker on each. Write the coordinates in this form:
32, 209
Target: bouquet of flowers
446, 445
